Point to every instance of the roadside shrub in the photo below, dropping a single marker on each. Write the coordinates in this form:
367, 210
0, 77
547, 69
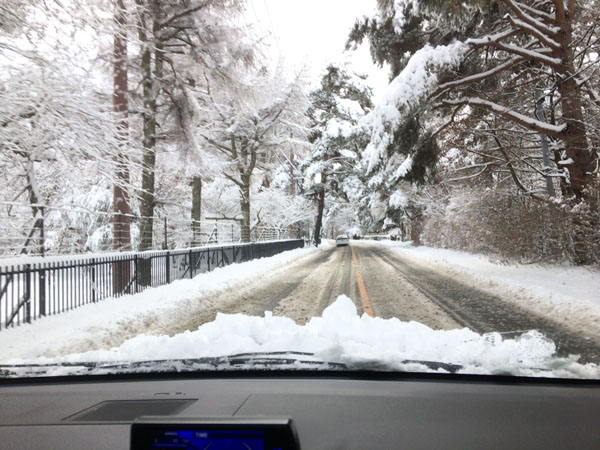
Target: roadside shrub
516, 228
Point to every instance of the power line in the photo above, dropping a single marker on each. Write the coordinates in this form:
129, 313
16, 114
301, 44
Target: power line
272, 27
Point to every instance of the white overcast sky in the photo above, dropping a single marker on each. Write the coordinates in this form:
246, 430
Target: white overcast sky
313, 33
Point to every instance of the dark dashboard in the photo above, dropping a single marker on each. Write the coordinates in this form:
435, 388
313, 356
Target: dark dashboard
329, 410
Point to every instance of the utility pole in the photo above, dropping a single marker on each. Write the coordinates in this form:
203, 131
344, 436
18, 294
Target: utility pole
292, 187
165, 241
42, 234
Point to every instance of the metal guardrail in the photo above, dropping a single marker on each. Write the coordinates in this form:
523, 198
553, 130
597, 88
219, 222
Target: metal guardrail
31, 291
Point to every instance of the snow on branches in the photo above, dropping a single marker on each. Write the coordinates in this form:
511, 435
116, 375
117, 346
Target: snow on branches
406, 92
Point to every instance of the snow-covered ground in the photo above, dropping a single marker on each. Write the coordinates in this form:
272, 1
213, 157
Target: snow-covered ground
340, 334
564, 293
57, 334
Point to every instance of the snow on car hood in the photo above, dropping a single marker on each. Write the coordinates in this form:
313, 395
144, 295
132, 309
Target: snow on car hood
342, 335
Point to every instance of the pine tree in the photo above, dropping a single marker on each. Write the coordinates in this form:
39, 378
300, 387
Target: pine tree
337, 141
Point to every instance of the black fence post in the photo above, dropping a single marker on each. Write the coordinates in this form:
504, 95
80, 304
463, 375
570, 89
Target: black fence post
144, 270
208, 258
2, 292
135, 272
191, 265
93, 280
27, 293
42, 291
121, 273
168, 267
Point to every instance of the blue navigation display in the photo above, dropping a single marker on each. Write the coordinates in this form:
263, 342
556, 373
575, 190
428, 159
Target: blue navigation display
210, 439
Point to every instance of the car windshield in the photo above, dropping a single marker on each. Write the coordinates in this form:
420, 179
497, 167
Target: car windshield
373, 185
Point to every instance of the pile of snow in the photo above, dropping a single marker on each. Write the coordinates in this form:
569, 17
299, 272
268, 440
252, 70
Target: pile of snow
342, 335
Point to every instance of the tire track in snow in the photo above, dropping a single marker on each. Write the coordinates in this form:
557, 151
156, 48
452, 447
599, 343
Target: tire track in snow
483, 312
257, 298
392, 295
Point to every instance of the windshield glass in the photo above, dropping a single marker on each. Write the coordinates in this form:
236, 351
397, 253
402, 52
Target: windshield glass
403, 186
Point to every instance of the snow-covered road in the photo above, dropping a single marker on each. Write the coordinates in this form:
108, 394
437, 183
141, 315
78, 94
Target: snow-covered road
394, 284
441, 289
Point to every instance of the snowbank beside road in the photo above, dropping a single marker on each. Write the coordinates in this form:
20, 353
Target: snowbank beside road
104, 323
562, 293
359, 341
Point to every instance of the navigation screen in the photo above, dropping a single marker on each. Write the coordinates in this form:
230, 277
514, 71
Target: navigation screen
229, 433
210, 439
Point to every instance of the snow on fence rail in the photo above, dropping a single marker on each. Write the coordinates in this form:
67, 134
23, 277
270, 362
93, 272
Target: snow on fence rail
32, 290
376, 237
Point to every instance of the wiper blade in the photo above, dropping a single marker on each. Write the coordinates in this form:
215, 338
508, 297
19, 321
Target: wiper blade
286, 360
242, 361
436, 365
386, 367
279, 359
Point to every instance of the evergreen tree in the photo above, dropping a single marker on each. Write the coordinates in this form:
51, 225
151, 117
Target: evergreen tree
336, 138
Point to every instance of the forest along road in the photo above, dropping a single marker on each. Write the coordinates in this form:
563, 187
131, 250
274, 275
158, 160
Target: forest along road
383, 283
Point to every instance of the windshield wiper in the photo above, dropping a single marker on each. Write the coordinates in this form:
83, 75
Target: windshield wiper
381, 366
241, 361
280, 360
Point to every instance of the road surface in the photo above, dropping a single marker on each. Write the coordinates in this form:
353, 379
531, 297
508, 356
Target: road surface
383, 283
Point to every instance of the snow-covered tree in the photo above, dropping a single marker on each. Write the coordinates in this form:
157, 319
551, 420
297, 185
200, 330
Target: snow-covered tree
337, 141
407, 37
181, 45
465, 75
247, 130
534, 44
55, 116
277, 209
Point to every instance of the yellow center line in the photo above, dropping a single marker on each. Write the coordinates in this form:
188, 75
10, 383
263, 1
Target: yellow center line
362, 290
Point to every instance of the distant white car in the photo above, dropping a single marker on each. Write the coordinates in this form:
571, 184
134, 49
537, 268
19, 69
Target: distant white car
342, 240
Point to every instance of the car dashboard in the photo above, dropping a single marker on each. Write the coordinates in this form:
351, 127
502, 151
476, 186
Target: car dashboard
328, 410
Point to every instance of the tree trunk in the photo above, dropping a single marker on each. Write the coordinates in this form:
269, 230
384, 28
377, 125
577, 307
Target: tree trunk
149, 155
150, 81
147, 200
320, 208
416, 227
121, 270
245, 206
580, 171
196, 210
38, 213
121, 208
577, 149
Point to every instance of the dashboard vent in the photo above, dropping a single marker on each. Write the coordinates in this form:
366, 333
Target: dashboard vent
129, 410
